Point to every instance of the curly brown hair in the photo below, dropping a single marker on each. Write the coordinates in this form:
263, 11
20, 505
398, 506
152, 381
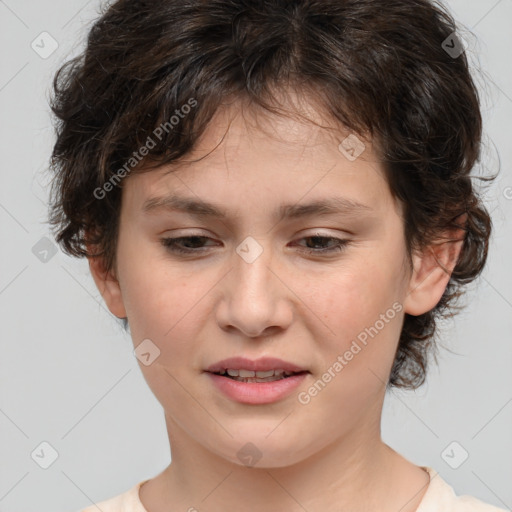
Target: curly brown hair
378, 68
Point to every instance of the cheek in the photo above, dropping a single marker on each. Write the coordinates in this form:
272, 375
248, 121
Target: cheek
165, 307
168, 304
363, 312
360, 310
154, 296
355, 295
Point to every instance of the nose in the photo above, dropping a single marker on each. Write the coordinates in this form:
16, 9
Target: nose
256, 299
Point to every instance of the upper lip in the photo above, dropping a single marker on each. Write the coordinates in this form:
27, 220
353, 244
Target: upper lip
257, 365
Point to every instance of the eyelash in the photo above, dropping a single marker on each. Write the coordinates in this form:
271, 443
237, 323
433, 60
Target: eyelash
171, 244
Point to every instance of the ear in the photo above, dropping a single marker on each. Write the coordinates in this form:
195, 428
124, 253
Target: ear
107, 284
432, 269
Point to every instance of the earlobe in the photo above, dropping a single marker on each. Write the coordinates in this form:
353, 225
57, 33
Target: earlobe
108, 285
432, 269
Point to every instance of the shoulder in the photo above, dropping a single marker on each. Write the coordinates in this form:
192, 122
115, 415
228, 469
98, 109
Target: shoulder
127, 502
441, 496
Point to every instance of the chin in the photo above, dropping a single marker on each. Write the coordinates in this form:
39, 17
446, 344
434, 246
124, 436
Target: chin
257, 449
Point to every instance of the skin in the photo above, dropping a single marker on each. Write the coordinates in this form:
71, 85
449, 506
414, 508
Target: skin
328, 454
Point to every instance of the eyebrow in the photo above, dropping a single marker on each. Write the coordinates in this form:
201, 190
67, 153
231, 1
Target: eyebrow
201, 209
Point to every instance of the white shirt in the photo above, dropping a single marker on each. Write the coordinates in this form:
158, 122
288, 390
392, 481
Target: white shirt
439, 497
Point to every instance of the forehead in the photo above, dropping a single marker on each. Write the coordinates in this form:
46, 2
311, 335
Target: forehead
247, 153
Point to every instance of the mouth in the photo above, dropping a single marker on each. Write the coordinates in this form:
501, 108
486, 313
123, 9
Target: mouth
256, 382
264, 369
248, 376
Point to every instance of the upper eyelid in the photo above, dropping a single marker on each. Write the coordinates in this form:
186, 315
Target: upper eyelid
300, 237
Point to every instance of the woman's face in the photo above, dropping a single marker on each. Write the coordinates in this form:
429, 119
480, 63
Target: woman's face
251, 289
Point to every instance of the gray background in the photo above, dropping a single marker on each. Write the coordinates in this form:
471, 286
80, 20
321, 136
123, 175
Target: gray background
68, 376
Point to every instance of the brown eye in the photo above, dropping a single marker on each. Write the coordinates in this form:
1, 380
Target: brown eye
176, 244
339, 244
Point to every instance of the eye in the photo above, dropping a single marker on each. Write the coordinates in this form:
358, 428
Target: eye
173, 244
317, 239
194, 244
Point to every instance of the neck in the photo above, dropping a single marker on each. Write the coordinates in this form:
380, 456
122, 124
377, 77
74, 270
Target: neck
357, 472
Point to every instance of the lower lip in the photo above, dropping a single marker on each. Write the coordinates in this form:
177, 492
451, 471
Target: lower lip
257, 392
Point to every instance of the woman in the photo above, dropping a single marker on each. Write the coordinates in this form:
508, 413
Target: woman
275, 197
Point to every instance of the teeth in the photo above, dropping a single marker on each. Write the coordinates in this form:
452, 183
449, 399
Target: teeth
260, 374
257, 379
